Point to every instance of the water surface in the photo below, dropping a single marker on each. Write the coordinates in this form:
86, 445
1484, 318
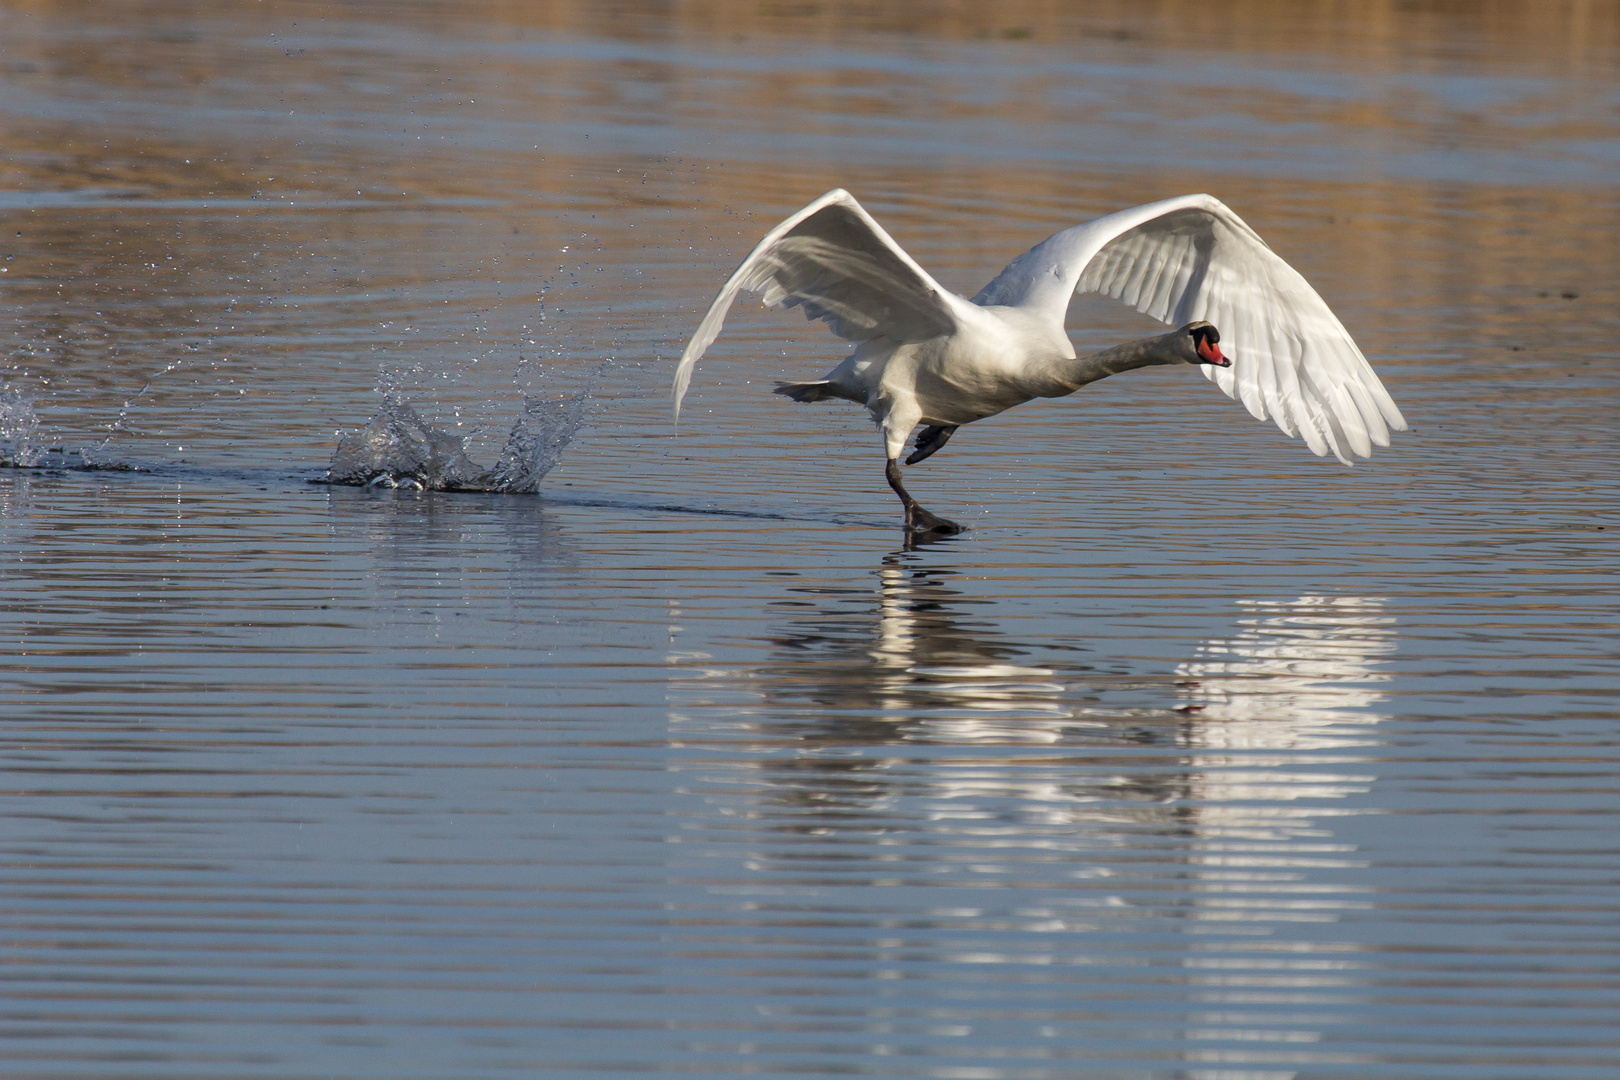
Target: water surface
1196, 757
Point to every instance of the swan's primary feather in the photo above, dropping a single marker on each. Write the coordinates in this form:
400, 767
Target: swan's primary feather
1192, 258
833, 260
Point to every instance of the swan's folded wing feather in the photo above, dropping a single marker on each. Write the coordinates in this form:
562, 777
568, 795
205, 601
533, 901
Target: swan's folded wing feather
834, 261
1192, 258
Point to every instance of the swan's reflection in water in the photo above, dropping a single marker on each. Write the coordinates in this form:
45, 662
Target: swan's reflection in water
1280, 706
911, 664
1014, 850
1292, 673
913, 661
1298, 676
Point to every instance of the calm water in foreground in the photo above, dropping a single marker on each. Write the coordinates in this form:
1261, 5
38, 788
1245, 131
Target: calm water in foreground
1196, 757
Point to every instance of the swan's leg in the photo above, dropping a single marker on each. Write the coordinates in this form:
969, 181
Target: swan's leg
918, 520
931, 440
897, 413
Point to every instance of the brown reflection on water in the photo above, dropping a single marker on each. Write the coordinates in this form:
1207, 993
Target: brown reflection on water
271, 197
323, 137
1559, 33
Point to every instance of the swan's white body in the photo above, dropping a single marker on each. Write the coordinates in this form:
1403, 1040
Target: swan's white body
926, 355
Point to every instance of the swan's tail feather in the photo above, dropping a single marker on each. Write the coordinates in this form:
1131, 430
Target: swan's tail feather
808, 391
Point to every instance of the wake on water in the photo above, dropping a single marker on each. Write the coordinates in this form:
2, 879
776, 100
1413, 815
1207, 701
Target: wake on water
398, 448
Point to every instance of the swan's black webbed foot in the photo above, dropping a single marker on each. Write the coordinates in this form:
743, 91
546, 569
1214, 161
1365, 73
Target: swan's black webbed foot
920, 521
931, 440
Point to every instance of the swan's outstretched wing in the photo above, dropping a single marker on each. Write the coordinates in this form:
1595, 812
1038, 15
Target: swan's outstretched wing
1192, 258
838, 264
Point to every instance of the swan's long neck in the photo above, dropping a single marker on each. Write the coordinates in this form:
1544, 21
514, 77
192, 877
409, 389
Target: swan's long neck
1143, 352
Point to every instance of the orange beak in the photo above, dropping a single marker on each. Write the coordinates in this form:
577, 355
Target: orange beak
1210, 353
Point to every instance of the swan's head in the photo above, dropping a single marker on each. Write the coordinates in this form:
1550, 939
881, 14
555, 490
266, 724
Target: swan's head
1204, 340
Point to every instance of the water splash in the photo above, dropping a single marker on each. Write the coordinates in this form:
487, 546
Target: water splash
19, 430
23, 447
536, 442
400, 449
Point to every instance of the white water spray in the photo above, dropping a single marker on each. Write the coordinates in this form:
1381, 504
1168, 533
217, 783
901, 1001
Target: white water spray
398, 448
19, 430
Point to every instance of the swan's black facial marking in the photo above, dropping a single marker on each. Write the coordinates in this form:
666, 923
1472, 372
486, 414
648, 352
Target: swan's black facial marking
1205, 338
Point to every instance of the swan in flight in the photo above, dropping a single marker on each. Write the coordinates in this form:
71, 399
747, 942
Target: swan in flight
924, 355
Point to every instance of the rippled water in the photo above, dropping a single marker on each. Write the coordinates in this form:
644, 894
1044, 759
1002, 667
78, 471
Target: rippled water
1195, 758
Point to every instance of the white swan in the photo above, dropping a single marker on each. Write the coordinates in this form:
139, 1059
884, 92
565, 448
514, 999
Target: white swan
927, 356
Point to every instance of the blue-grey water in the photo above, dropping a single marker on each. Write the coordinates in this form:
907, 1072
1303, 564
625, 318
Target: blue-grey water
1195, 758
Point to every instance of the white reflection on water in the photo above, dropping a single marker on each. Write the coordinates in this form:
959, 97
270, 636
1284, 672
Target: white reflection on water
1300, 676
1278, 703
906, 661
1277, 706
1290, 673
921, 655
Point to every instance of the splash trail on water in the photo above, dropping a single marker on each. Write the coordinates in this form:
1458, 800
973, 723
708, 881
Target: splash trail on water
398, 448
